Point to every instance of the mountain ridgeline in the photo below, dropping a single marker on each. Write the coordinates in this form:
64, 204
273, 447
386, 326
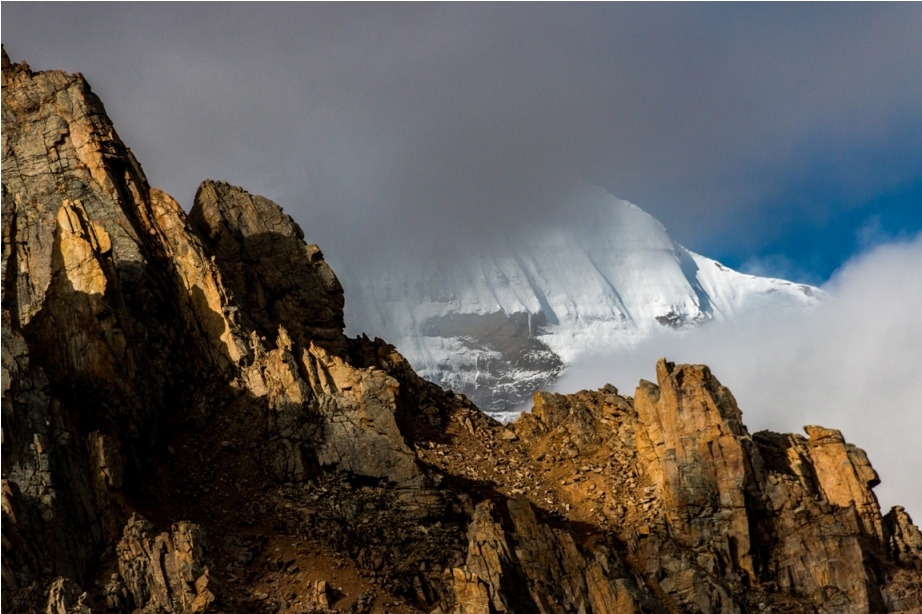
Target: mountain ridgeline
186, 429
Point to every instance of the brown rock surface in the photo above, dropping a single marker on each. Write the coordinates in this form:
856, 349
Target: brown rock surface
692, 447
275, 278
161, 572
191, 370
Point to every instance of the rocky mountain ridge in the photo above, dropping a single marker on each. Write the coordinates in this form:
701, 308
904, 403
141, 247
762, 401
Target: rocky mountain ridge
186, 428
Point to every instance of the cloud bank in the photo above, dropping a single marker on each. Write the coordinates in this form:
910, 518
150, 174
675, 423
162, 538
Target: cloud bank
419, 125
853, 363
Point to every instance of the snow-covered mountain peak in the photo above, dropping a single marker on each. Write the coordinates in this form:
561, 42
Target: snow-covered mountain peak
505, 320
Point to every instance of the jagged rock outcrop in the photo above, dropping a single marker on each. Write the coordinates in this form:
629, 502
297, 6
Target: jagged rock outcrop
78, 344
904, 540
725, 518
539, 568
65, 597
160, 572
692, 448
123, 317
274, 277
187, 429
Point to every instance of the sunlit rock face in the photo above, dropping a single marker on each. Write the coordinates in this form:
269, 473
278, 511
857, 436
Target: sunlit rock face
499, 323
125, 321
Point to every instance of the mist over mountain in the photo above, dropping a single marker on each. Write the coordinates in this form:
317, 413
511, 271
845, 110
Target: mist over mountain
428, 126
504, 317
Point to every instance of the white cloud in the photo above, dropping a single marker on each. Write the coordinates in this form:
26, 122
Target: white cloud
853, 363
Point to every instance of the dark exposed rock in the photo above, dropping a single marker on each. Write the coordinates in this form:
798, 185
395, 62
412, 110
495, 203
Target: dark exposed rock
65, 597
508, 353
273, 276
193, 371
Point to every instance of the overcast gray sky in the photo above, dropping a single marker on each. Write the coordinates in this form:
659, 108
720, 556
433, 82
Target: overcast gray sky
735, 125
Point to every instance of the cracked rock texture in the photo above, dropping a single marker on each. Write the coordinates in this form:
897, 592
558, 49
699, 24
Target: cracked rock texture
187, 429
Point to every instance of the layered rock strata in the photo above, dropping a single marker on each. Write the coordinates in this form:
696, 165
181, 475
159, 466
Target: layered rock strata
187, 429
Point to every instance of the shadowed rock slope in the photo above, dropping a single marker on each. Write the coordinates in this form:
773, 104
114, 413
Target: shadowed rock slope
187, 429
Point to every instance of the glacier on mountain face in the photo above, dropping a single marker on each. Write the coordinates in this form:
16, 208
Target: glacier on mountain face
505, 321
